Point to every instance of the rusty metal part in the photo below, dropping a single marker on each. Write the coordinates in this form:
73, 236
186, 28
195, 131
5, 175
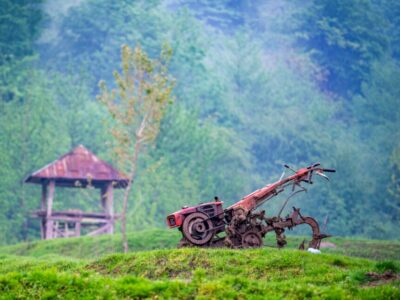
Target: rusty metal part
245, 229
241, 232
280, 237
197, 229
296, 219
302, 245
288, 198
252, 239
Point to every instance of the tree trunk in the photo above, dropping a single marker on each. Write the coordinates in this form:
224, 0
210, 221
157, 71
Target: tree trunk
127, 192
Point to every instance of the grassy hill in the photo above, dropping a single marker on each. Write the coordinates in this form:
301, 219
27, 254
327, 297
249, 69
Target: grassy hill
92, 247
84, 268
97, 246
189, 273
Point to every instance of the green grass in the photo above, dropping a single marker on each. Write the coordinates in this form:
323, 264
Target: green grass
358, 247
93, 247
195, 273
93, 267
372, 249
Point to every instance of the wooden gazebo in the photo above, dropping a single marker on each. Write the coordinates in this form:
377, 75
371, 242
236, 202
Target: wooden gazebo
79, 168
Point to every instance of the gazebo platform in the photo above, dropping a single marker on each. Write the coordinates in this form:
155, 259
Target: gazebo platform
69, 223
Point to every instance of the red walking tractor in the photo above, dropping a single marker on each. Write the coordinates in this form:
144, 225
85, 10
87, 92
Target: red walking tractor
239, 224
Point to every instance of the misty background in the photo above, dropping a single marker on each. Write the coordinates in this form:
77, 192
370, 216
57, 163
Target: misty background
258, 84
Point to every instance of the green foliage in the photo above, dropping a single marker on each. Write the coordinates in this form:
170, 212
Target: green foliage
344, 37
92, 44
259, 84
137, 104
83, 116
391, 10
136, 108
376, 110
394, 187
31, 131
220, 14
19, 28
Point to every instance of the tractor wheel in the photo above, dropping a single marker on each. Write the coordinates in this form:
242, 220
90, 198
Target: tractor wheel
197, 229
252, 239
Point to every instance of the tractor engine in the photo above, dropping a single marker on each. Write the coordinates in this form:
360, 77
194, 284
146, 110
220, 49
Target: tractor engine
200, 223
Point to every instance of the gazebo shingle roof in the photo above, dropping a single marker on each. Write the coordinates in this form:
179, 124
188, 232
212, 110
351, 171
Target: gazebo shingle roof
79, 165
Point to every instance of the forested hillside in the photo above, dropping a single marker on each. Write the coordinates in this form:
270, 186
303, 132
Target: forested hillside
257, 84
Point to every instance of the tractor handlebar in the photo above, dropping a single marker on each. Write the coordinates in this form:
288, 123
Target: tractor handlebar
258, 197
329, 170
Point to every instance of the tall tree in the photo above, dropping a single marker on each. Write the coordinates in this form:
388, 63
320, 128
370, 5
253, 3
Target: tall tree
19, 28
136, 106
91, 44
391, 9
394, 187
376, 119
32, 132
344, 37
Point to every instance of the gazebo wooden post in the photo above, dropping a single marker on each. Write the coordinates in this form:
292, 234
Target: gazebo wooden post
78, 228
49, 222
107, 197
43, 207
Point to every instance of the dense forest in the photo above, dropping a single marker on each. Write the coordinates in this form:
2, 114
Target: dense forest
257, 84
